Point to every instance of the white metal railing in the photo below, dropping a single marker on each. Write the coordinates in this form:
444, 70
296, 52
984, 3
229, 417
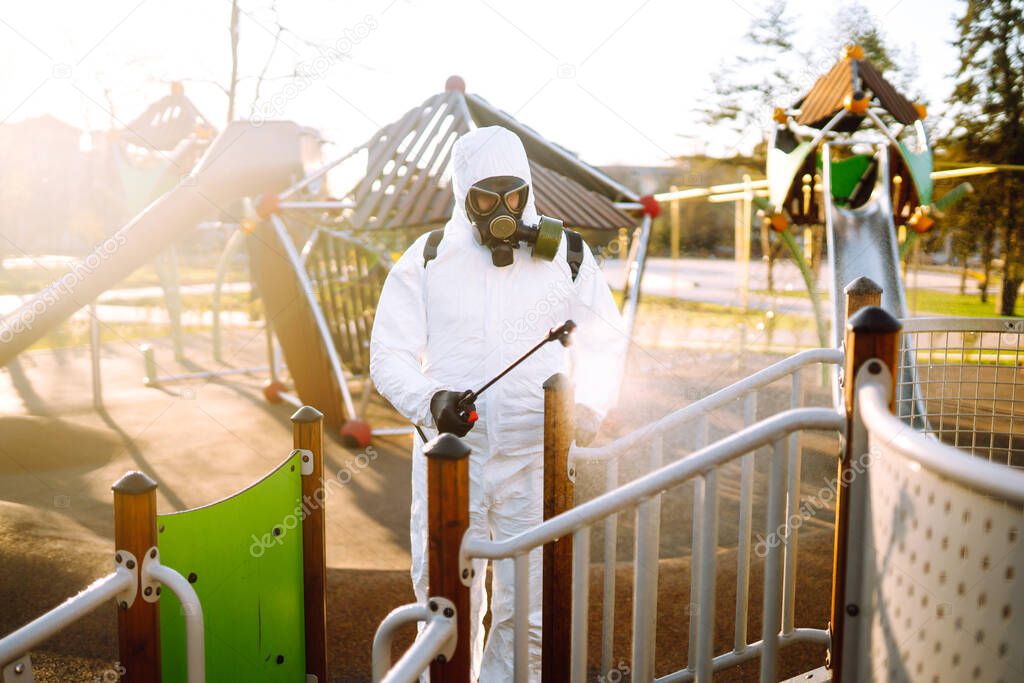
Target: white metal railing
702, 467
699, 413
437, 639
121, 585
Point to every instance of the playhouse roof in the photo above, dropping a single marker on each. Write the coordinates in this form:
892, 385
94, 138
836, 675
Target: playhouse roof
406, 183
166, 122
851, 74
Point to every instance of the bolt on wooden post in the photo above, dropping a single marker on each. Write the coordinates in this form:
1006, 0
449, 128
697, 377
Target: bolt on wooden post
447, 522
138, 626
872, 334
559, 492
308, 435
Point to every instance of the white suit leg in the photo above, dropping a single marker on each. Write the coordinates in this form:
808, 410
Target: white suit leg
418, 546
517, 507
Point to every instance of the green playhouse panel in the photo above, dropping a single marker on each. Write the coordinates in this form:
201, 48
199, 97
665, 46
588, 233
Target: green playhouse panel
846, 173
920, 165
246, 554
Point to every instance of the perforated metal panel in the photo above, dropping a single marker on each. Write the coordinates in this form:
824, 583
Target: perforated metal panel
969, 384
942, 593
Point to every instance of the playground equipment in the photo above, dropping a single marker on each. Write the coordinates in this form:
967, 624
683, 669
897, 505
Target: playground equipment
911, 511
269, 157
338, 247
247, 573
884, 180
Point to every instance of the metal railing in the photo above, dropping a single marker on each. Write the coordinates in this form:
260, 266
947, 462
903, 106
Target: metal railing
966, 374
698, 415
437, 639
703, 467
121, 585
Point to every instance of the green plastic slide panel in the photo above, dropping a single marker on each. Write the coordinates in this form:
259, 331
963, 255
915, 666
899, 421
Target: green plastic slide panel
243, 555
920, 165
782, 168
846, 173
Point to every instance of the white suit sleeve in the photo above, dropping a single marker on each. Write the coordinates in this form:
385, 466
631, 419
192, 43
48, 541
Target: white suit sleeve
600, 343
399, 338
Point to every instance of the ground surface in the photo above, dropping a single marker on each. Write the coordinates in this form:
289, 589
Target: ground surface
205, 440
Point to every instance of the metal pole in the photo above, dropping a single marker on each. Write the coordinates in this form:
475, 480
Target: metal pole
95, 347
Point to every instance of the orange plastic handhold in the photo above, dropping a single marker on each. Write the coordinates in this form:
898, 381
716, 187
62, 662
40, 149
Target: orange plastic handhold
267, 205
853, 52
779, 222
779, 115
921, 222
856, 103
922, 111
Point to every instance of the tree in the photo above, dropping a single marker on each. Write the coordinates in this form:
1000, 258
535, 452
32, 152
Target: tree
989, 120
761, 76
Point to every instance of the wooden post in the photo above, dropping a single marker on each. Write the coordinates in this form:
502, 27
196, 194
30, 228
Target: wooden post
308, 434
558, 497
871, 333
448, 519
138, 626
861, 293
673, 207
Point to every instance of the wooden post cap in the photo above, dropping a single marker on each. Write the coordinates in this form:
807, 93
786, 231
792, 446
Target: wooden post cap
446, 447
559, 380
873, 320
134, 483
862, 286
307, 414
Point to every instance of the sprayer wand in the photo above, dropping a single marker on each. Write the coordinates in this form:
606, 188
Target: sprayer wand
562, 334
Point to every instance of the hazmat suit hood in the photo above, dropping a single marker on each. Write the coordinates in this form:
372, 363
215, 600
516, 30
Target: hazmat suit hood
485, 153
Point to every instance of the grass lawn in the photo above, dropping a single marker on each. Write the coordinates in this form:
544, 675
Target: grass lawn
925, 302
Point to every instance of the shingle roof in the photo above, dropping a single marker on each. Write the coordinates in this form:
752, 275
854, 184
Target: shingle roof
826, 97
407, 184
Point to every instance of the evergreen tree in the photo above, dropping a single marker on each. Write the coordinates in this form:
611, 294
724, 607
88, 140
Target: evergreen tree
763, 75
989, 121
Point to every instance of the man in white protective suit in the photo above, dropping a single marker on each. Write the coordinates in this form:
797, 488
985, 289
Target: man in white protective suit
456, 309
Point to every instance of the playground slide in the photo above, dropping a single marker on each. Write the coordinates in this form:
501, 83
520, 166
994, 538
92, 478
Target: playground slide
244, 160
862, 242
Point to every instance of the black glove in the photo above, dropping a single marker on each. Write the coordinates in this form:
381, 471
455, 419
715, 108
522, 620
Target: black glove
449, 416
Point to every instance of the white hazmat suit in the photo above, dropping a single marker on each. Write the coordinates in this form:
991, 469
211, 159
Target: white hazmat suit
454, 323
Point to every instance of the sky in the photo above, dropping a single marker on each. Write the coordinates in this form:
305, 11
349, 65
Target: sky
618, 82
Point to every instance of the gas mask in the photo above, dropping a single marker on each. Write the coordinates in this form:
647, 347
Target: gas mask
495, 207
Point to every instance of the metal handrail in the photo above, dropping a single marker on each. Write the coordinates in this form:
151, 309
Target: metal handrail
16, 644
437, 638
639, 494
705, 405
660, 480
987, 477
191, 609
